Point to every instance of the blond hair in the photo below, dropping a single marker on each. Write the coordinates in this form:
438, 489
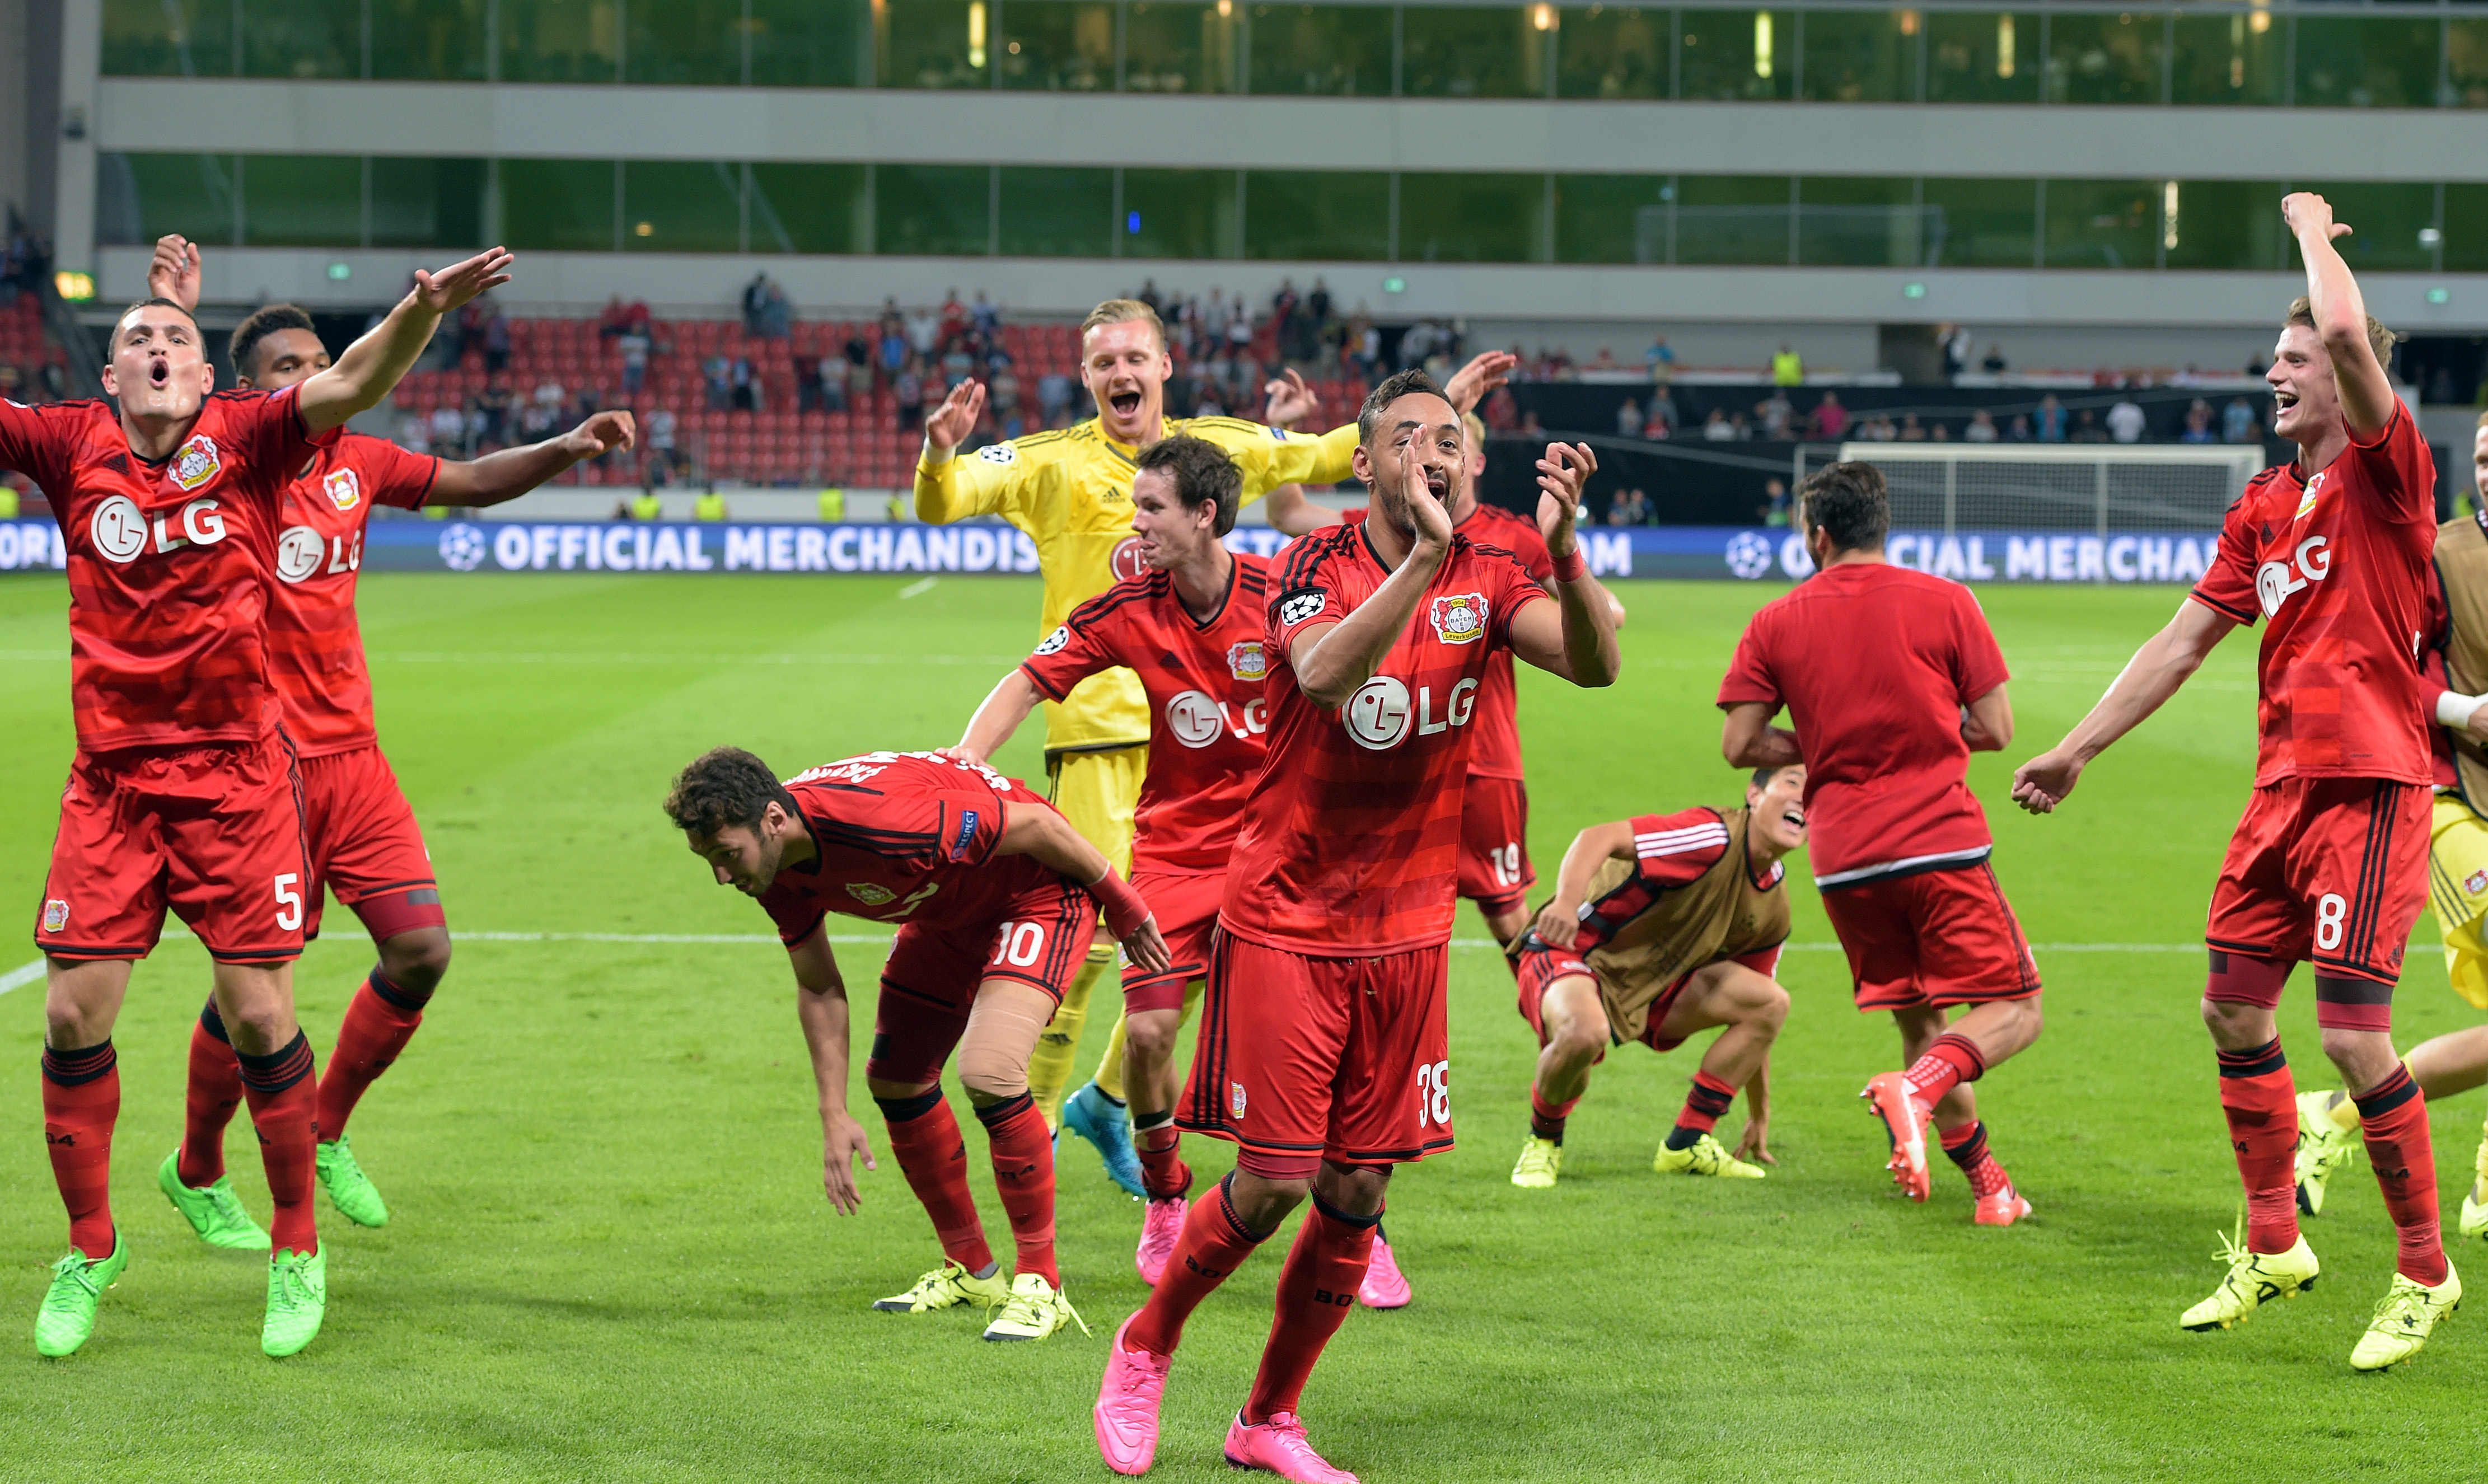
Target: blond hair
1475, 427
2302, 311
1124, 312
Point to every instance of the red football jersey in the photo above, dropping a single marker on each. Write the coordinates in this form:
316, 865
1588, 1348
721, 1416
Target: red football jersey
1495, 751
1351, 837
2337, 565
315, 646
1874, 664
1207, 727
168, 563
903, 837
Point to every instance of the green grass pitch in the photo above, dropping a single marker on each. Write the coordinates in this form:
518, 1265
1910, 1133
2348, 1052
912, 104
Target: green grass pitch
610, 1257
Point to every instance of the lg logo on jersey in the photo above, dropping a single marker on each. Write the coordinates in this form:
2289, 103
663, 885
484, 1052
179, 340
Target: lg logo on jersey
121, 532
300, 550
2274, 582
1378, 716
1196, 719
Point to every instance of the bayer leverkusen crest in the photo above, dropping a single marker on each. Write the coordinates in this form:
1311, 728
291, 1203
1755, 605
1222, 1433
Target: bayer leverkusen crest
1460, 619
1246, 660
2476, 882
196, 462
345, 489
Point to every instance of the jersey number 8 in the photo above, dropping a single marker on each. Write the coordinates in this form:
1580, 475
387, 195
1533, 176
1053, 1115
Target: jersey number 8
2329, 910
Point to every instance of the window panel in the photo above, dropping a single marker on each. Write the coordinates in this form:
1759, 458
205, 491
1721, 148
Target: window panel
2104, 57
1858, 221
936, 44
1732, 218
1735, 54
1862, 56
1180, 48
2466, 64
1458, 218
1180, 213
2238, 58
560, 40
2388, 217
1612, 219
141, 197
427, 203
2102, 224
429, 40
1057, 45
556, 205
1473, 51
1981, 223
684, 43
1614, 51
2222, 224
2466, 229
1317, 213
809, 43
302, 201
2367, 63
1323, 50
168, 38
688, 206
1057, 212
1983, 56
810, 208
933, 211
302, 38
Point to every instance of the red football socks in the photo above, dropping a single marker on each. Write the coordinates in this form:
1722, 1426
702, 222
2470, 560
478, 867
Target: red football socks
1023, 1154
1317, 1288
1950, 1060
81, 1102
1214, 1244
1709, 1099
1163, 1172
379, 1021
1967, 1146
2392, 1114
1546, 1118
2261, 1104
284, 1108
924, 1135
213, 1093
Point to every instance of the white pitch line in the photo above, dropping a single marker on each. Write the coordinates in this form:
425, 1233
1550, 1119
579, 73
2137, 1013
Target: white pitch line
867, 939
22, 975
919, 589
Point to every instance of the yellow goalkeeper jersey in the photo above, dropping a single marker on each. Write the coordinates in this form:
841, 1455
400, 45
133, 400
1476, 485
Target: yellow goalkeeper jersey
1071, 491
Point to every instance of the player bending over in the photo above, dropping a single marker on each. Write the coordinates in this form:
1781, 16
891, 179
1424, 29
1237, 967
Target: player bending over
1892, 679
183, 792
1191, 626
995, 896
2329, 863
1662, 926
1324, 1051
356, 824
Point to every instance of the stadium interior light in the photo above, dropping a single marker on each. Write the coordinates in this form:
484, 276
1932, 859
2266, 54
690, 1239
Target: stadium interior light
2004, 45
2169, 215
339, 271
2440, 296
1762, 44
2430, 237
976, 34
74, 286
1395, 284
1913, 291
1542, 16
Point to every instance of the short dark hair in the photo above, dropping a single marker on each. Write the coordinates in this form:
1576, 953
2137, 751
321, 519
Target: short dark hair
725, 786
1763, 775
1405, 383
1849, 503
136, 305
264, 323
1201, 472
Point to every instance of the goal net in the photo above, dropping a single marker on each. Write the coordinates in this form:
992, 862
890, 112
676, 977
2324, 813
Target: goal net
2095, 488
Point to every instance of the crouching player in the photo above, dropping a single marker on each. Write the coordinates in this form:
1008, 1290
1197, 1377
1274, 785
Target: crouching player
1663, 926
996, 897
1191, 627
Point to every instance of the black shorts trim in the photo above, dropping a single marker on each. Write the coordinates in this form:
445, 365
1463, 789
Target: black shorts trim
254, 955
92, 953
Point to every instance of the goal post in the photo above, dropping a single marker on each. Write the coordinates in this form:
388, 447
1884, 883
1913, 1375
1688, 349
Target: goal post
2085, 486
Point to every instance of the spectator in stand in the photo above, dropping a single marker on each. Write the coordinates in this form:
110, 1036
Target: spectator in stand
1774, 414
777, 311
1954, 339
1940, 432
2087, 429
2050, 423
1660, 360
1775, 509
1054, 396
1606, 361
2126, 422
1715, 428
634, 361
1981, 428
1910, 431
1788, 368
1829, 420
550, 394
908, 393
1993, 365
1502, 412
660, 432
2239, 423
829, 381
1628, 420
717, 374
413, 429
1660, 407
448, 432
1738, 428
924, 334
1628, 507
2198, 423
1530, 426
497, 340
1654, 424
746, 382
2019, 430
893, 352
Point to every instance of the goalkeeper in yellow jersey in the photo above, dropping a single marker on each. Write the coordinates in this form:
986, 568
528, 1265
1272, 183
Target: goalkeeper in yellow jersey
1071, 491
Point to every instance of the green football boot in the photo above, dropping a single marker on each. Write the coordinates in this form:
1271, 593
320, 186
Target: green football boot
213, 1211
78, 1281
349, 1188
298, 1300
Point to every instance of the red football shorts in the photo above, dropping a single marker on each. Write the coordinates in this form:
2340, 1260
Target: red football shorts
2327, 871
1542, 965
931, 979
365, 845
1932, 937
1303, 1059
1495, 872
214, 831
1186, 908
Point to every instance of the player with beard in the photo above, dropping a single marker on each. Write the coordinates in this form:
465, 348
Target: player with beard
1323, 1050
183, 794
2329, 863
357, 826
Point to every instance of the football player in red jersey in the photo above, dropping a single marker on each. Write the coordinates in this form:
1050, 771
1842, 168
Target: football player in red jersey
996, 897
1891, 679
1191, 626
1323, 1048
183, 792
357, 826
2329, 864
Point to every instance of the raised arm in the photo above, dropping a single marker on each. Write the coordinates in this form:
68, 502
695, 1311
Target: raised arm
949, 487
2367, 399
821, 1008
1576, 638
1331, 661
1987, 723
1046, 837
371, 368
1004, 708
514, 471
2148, 680
1750, 740
172, 274
1561, 917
